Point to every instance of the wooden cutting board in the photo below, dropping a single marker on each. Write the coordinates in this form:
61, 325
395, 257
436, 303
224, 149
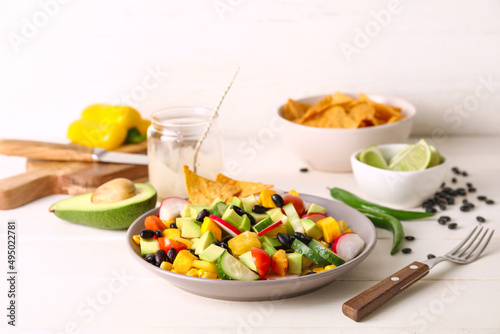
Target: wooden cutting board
43, 178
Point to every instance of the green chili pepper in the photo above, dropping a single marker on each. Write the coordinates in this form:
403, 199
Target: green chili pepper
359, 203
387, 222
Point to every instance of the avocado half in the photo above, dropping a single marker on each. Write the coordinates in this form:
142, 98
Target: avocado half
112, 216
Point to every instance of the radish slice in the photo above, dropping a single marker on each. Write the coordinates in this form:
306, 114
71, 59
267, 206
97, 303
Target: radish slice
171, 207
269, 228
315, 217
348, 246
230, 229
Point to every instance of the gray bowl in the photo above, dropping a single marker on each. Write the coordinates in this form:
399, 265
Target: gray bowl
266, 289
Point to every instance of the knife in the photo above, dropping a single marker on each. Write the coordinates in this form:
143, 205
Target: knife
67, 152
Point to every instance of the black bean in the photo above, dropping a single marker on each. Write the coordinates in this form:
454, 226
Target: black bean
173, 225
455, 170
480, 219
238, 210
472, 190
469, 185
461, 191
160, 256
442, 185
204, 213
258, 209
159, 234
302, 237
217, 243
445, 218
284, 239
465, 174
252, 219
482, 198
410, 238
490, 201
192, 251
465, 208
150, 258
278, 200
406, 250
450, 201
226, 239
226, 247
442, 206
431, 256
304, 170
447, 190
430, 209
453, 180
452, 226
471, 205
171, 255
147, 234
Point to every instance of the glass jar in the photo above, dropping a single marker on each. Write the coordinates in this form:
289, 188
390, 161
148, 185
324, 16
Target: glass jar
172, 139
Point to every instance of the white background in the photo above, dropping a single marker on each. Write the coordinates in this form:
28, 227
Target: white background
59, 57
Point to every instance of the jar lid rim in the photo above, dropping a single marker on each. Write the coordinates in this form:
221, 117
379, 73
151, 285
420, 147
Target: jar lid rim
166, 116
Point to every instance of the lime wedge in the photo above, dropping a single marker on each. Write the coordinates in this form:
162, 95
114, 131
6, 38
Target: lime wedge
435, 157
373, 157
412, 158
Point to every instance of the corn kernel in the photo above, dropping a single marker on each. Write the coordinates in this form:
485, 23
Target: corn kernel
205, 266
209, 275
331, 266
137, 239
318, 270
166, 265
192, 272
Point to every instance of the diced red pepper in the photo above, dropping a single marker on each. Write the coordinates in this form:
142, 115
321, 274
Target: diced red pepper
166, 244
262, 260
154, 223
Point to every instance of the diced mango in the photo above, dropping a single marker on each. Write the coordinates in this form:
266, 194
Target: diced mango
243, 243
265, 198
184, 261
166, 265
280, 262
331, 266
205, 266
330, 227
170, 233
137, 239
342, 226
293, 192
210, 225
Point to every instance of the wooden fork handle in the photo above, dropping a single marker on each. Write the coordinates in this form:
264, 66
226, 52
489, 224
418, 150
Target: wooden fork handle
371, 299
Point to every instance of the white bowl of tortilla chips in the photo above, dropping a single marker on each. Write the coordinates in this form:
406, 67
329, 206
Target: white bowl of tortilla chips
324, 130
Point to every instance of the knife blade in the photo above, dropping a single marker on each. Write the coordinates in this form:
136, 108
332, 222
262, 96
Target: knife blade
66, 152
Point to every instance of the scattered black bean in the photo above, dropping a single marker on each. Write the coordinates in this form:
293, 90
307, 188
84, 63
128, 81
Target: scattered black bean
445, 218
302, 237
472, 190
461, 192
442, 185
278, 200
203, 213
480, 219
258, 209
442, 206
450, 201
465, 208
160, 256
173, 225
482, 198
406, 250
252, 219
490, 201
465, 201
452, 226
431, 256
469, 185
304, 170
238, 210
430, 209
171, 255
159, 234
410, 238
285, 240
453, 180
147, 234
150, 258
465, 174
456, 170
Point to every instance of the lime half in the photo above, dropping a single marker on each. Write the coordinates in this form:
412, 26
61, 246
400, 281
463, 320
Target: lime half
373, 157
413, 157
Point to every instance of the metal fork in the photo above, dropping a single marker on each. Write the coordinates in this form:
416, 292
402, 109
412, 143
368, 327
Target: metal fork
371, 299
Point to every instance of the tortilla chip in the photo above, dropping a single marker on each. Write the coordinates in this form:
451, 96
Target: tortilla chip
247, 188
294, 110
203, 191
362, 112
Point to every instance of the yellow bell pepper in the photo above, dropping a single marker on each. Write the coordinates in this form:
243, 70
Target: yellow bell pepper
108, 126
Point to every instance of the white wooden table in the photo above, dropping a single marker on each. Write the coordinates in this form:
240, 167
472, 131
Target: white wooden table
77, 279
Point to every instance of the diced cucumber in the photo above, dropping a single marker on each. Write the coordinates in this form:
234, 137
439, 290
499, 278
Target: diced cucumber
219, 209
294, 218
268, 248
302, 248
229, 268
326, 253
294, 263
248, 203
316, 208
273, 241
245, 224
259, 227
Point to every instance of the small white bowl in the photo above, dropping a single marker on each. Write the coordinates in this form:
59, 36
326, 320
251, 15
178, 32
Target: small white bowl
328, 149
401, 189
